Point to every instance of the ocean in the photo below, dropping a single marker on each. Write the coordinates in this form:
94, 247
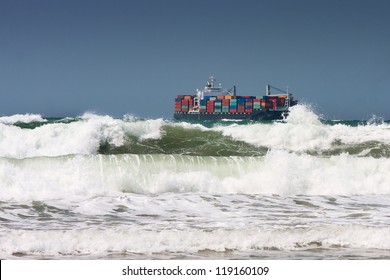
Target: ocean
98, 187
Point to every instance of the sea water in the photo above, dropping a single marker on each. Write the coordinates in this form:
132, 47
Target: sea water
97, 187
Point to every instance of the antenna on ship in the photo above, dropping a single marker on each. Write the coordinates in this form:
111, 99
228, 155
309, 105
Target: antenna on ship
210, 82
268, 90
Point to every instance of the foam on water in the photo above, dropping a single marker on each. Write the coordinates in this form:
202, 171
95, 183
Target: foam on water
21, 118
95, 242
279, 173
80, 137
303, 131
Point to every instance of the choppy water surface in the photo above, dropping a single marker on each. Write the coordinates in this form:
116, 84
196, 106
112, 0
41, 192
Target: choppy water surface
97, 187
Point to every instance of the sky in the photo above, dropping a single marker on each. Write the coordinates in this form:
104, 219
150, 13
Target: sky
116, 57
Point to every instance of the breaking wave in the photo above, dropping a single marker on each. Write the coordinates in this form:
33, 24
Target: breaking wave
302, 132
279, 173
21, 118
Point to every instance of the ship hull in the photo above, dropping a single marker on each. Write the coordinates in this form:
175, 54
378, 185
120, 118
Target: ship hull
256, 115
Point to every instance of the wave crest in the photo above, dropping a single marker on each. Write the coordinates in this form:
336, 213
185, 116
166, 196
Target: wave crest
21, 118
277, 173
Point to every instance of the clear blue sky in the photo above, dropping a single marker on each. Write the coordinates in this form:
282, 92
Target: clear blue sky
63, 58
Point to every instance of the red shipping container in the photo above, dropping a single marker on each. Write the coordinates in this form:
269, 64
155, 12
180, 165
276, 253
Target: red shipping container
248, 110
233, 110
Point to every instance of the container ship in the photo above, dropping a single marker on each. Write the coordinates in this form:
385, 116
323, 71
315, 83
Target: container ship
214, 103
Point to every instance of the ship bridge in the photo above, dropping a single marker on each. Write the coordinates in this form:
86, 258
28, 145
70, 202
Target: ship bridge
211, 89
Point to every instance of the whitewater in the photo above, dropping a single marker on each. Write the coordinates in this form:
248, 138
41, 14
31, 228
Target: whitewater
99, 187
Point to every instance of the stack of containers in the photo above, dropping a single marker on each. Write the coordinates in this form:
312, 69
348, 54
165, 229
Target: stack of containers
233, 105
218, 105
266, 101
262, 103
248, 105
203, 106
257, 103
210, 106
241, 105
225, 105
184, 105
177, 104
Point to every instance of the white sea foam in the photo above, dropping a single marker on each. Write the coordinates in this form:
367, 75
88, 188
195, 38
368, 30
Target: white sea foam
303, 131
80, 137
279, 173
95, 242
22, 118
